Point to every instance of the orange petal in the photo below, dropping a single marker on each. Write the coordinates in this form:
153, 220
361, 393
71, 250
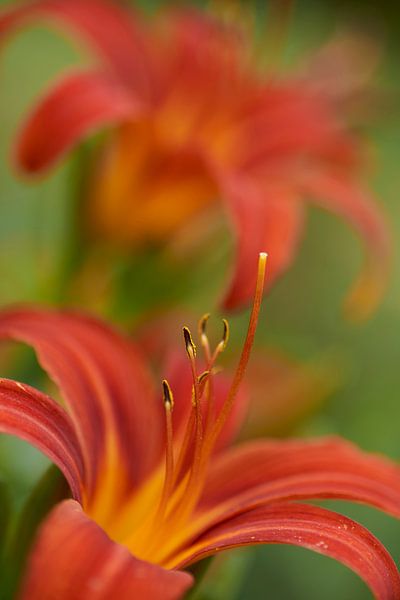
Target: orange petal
39, 420
317, 529
266, 218
77, 105
264, 471
103, 381
74, 559
109, 30
145, 189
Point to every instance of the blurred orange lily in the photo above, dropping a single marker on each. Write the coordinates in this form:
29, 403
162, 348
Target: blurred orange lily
195, 122
155, 486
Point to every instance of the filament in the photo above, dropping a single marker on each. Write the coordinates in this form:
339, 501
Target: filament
169, 450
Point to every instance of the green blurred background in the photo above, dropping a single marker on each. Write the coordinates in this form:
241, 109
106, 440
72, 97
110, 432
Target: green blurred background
302, 316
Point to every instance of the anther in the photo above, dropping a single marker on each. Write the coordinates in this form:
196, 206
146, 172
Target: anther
190, 346
167, 395
203, 324
203, 376
202, 380
169, 452
225, 334
203, 336
224, 341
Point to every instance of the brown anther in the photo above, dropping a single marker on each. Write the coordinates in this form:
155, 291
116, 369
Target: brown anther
168, 396
202, 381
224, 341
203, 376
203, 324
190, 346
225, 335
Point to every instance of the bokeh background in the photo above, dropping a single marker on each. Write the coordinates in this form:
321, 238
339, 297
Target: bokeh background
301, 317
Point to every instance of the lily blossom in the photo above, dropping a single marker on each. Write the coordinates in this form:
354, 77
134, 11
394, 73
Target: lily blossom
193, 122
155, 484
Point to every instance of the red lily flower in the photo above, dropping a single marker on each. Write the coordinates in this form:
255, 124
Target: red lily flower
156, 488
195, 121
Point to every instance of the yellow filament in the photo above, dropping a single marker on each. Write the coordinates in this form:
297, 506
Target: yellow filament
182, 456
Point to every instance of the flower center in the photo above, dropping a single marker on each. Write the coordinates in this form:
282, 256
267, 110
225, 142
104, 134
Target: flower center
162, 515
146, 190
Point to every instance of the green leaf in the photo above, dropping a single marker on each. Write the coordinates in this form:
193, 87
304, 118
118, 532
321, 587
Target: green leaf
51, 489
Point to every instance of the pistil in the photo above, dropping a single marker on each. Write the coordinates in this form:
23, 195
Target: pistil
244, 358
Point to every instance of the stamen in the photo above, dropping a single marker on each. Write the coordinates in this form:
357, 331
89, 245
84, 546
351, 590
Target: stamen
224, 341
186, 469
202, 379
203, 324
197, 389
210, 387
190, 345
203, 447
194, 419
204, 338
168, 395
169, 451
191, 352
183, 452
225, 335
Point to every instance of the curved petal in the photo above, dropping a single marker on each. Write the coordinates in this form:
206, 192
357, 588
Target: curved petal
76, 106
266, 218
112, 32
288, 121
207, 60
37, 419
310, 527
347, 199
260, 472
73, 558
104, 383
